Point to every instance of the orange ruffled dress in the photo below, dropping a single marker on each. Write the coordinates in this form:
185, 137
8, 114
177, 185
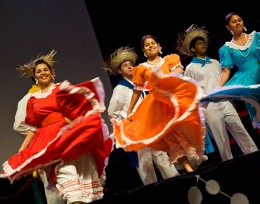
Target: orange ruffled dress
168, 118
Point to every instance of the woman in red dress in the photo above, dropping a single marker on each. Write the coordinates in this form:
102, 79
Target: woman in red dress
66, 135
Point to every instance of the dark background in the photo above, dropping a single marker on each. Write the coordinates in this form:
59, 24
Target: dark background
33, 27
121, 23
85, 32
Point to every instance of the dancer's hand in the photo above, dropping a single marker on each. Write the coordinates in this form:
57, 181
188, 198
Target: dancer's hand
129, 117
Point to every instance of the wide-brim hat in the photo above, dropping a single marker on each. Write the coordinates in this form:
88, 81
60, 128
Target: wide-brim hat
121, 55
184, 39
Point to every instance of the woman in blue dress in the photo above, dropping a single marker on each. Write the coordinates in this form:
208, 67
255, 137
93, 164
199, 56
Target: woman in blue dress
243, 52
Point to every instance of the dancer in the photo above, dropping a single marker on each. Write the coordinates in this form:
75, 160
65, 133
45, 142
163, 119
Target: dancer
74, 151
51, 194
241, 52
218, 116
121, 62
168, 117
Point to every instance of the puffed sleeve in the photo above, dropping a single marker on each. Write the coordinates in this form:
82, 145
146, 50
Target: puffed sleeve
19, 122
30, 119
257, 36
139, 75
173, 61
225, 57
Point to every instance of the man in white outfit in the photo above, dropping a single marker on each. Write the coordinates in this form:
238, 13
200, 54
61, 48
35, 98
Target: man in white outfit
220, 116
122, 62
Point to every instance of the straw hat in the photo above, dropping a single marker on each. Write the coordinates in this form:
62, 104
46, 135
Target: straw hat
27, 69
184, 39
121, 55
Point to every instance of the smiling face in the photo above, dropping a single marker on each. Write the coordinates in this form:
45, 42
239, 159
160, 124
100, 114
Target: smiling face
236, 24
151, 48
43, 74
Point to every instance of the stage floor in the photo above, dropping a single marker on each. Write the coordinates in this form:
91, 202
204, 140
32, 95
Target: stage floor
231, 182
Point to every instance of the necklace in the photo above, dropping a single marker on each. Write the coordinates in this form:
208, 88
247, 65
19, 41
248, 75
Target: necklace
241, 44
245, 54
155, 65
152, 63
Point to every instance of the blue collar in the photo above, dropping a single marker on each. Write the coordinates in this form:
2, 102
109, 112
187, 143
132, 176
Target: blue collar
201, 61
126, 83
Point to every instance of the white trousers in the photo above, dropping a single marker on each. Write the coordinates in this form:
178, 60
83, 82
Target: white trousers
147, 157
78, 180
219, 118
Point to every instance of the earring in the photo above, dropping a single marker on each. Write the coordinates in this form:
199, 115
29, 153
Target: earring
53, 78
160, 51
245, 29
36, 81
145, 55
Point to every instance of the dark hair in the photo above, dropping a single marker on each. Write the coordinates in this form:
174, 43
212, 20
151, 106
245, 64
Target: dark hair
41, 61
193, 42
229, 16
33, 79
148, 36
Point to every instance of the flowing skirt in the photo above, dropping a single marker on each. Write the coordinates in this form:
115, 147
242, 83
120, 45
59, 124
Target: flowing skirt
249, 94
87, 132
167, 119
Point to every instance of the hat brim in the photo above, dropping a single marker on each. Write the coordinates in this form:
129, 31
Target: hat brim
121, 56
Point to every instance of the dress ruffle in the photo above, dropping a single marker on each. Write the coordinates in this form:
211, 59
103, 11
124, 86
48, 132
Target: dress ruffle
82, 104
167, 119
249, 94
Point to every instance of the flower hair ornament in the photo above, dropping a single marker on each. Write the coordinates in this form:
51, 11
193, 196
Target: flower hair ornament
122, 54
27, 69
184, 39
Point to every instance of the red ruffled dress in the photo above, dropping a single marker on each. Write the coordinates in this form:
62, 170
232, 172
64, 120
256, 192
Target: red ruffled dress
56, 140
168, 118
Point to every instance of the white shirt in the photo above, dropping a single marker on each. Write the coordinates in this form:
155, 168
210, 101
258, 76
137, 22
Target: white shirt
207, 76
19, 124
120, 101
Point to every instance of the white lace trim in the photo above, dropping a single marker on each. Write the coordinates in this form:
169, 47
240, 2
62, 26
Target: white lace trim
39, 94
249, 42
154, 66
175, 118
13, 174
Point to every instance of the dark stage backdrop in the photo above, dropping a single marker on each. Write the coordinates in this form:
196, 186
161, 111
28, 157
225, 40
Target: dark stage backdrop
117, 24
32, 27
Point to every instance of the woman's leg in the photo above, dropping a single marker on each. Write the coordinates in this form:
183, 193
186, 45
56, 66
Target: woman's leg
185, 163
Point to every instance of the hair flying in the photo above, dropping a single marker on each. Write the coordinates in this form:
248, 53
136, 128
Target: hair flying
27, 69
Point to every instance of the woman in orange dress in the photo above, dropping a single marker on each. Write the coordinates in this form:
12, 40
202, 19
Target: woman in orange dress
168, 118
